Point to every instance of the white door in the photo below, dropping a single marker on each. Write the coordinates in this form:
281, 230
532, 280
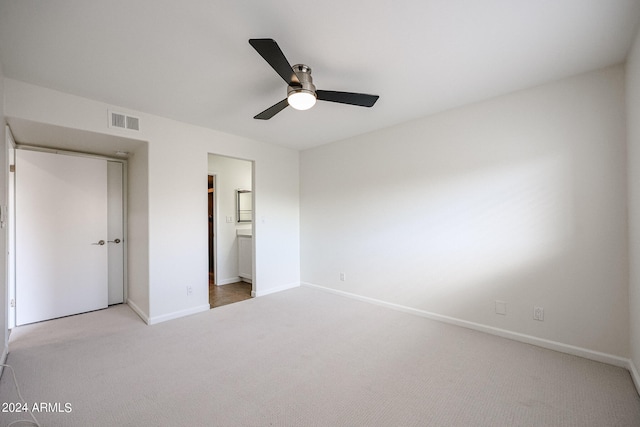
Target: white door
115, 227
61, 219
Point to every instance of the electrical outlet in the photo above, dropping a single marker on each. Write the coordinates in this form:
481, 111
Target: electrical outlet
343, 277
501, 307
538, 313
189, 290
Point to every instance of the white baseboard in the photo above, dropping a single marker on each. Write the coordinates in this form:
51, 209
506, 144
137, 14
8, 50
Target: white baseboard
229, 281
138, 311
529, 339
634, 374
3, 358
177, 314
262, 293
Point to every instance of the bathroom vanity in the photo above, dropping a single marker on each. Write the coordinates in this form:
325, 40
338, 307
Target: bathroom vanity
245, 244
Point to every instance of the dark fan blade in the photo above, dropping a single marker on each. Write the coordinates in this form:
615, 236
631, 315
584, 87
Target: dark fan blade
270, 51
361, 99
273, 110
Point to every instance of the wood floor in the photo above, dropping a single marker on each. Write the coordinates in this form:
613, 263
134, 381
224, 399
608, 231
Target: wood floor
228, 294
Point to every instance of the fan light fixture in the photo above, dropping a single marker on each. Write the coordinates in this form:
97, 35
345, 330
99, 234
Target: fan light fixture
301, 99
301, 92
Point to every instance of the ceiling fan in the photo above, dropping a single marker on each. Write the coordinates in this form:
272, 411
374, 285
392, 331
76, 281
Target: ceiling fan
301, 92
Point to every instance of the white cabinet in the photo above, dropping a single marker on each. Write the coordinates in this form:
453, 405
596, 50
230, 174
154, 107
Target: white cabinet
245, 257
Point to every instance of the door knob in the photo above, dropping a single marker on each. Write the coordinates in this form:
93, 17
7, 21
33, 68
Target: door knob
116, 241
100, 242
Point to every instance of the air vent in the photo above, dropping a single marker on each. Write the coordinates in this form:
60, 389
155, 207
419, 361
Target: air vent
123, 121
118, 120
133, 123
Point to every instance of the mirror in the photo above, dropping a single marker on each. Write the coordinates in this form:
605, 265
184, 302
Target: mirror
244, 209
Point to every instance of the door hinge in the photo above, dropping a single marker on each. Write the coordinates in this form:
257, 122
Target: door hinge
12, 168
13, 303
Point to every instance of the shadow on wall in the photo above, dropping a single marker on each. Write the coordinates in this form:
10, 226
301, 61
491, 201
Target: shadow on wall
482, 224
521, 199
523, 231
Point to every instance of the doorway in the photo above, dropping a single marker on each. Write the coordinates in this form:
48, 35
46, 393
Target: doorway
231, 242
70, 211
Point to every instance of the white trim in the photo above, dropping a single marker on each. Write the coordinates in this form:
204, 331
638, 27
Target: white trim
516, 336
274, 290
634, 374
69, 153
3, 358
214, 176
229, 281
138, 311
11, 230
125, 230
178, 314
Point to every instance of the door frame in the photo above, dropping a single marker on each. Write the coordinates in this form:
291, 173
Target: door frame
218, 215
215, 227
11, 280
11, 230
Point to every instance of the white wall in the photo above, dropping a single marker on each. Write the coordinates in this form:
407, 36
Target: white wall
231, 174
521, 199
176, 158
633, 135
138, 229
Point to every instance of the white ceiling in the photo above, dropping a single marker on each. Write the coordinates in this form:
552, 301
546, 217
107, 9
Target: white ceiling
190, 60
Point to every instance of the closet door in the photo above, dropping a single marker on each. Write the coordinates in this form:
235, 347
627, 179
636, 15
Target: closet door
61, 235
115, 225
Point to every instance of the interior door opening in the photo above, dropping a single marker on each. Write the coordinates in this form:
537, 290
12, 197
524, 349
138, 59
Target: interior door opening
231, 242
132, 157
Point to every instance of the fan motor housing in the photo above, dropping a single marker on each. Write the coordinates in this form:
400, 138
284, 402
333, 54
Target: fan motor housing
306, 81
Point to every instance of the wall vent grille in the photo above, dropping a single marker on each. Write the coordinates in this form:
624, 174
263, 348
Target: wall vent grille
133, 123
123, 121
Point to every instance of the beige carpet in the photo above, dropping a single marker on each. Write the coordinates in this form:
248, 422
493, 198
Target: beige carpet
304, 358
